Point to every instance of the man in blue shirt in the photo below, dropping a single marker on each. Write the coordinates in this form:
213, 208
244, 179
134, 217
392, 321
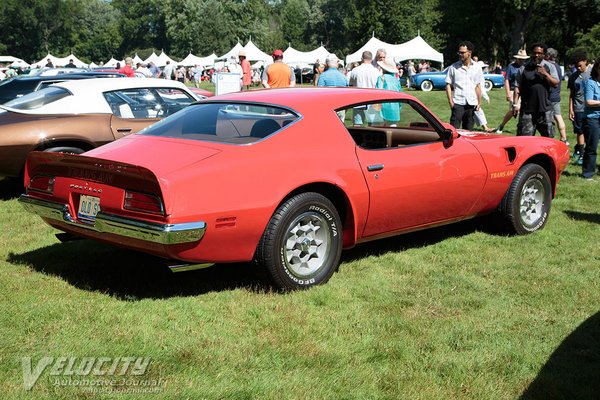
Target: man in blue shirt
332, 76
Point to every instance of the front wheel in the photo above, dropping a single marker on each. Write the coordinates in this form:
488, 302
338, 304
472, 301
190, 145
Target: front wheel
526, 204
488, 85
426, 86
302, 244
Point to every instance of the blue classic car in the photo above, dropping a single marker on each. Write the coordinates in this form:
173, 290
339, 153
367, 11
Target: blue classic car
428, 81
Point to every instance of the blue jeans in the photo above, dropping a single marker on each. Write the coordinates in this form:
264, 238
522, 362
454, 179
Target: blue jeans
591, 131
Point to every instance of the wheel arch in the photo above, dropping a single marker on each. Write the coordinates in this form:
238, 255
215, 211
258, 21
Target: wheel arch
78, 143
546, 162
340, 200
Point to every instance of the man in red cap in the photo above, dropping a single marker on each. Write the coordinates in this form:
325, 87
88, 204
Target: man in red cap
278, 74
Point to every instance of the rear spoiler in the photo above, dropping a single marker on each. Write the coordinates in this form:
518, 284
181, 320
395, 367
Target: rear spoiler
91, 169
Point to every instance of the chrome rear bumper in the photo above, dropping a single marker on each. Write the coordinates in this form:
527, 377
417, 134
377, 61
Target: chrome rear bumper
123, 226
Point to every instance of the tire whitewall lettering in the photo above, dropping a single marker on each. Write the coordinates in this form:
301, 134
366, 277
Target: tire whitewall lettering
526, 205
302, 244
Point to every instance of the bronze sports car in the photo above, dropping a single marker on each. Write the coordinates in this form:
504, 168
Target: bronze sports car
76, 116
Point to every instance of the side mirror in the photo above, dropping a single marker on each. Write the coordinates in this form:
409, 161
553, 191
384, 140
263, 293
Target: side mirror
448, 137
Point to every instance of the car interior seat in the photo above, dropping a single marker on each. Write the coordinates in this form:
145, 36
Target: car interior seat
264, 127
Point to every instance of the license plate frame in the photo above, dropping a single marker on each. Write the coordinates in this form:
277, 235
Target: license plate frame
89, 206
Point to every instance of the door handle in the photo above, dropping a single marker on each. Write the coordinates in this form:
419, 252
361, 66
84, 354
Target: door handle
375, 167
123, 130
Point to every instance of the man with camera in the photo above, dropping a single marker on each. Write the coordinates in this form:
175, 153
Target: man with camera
534, 81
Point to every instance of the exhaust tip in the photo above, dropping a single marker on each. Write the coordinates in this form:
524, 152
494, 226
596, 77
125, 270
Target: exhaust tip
181, 267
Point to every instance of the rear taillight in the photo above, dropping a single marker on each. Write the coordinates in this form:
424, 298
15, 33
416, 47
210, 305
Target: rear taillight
143, 202
42, 184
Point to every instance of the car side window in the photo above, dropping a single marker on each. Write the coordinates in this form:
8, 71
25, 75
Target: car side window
147, 102
387, 125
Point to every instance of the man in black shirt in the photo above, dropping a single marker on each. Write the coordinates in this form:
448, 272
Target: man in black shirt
534, 81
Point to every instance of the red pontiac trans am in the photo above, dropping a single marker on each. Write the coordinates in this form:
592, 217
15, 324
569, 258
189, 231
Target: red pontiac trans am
290, 177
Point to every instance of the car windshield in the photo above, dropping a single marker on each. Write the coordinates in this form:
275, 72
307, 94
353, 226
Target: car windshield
223, 122
38, 99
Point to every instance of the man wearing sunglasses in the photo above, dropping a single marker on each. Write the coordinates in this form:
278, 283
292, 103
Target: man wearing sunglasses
463, 87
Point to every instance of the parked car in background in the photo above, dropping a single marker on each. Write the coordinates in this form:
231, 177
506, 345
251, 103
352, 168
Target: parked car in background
427, 81
58, 71
21, 85
79, 115
304, 74
202, 93
274, 176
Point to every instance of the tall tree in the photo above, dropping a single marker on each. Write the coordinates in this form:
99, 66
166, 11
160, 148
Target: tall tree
98, 36
142, 25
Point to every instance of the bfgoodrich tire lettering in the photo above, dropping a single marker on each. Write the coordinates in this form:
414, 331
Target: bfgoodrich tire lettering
526, 204
302, 244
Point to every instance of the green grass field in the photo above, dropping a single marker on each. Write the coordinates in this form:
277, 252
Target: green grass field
458, 312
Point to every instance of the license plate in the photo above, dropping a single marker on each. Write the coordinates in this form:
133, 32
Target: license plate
88, 207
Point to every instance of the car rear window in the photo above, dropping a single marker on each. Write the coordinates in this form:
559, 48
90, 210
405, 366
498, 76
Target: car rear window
223, 122
38, 99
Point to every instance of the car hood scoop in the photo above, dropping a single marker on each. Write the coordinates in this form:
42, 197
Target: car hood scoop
160, 155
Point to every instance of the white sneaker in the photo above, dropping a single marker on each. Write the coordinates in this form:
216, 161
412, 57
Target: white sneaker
498, 130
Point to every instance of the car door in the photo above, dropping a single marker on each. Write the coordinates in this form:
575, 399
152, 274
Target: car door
420, 184
414, 178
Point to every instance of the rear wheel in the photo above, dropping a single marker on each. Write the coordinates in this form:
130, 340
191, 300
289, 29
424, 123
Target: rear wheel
65, 149
302, 244
526, 204
426, 86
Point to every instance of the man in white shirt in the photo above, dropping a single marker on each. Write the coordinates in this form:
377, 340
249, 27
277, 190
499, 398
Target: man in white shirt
463, 87
364, 76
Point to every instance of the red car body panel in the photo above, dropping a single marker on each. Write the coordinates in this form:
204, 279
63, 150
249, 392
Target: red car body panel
235, 189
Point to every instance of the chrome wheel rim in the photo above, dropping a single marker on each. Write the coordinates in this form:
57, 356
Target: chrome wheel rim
307, 244
426, 86
532, 202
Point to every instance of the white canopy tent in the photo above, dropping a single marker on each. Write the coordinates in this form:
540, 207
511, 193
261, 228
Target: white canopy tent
13, 61
253, 53
162, 59
137, 59
112, 63
152, 58
65, 60
416, 48
232, 53
60, 61
293, 56
41, 63
19, 64
372, 45
192, 60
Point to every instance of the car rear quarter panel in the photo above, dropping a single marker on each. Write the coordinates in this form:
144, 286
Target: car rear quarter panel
24, 133
237, 191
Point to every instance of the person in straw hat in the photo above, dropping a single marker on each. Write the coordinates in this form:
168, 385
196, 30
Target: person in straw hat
246, 71
390, 111
509, 85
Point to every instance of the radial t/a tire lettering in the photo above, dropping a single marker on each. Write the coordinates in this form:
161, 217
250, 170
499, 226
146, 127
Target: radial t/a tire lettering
302, 244
526, 205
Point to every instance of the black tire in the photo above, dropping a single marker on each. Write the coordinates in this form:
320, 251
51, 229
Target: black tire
426, 86
65, 149
298, 261
488, 85
526, 205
